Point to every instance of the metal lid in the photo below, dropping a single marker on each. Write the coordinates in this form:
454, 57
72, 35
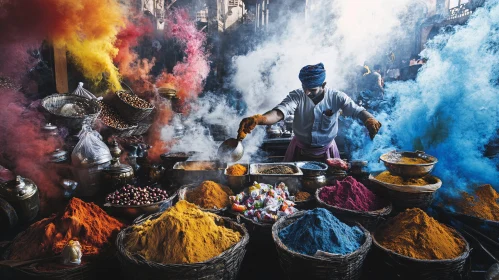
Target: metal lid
49, 127
18, 189
116, 167
358, 163
58, 155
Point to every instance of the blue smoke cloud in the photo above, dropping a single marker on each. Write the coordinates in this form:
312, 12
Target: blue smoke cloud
451, 110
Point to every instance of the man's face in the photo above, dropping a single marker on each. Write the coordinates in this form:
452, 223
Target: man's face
313, 92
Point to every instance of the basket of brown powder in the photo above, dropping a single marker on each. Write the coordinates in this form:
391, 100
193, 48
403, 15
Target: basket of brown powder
413, 245
36, 252
209, 196
182, 243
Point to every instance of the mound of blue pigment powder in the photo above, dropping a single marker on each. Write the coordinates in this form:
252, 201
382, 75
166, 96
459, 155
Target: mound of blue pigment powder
318, 229
311, 166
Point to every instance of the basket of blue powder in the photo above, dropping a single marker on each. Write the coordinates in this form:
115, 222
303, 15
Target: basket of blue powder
315, 244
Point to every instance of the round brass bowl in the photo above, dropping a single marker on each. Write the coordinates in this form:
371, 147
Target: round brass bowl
408, 170
131, 211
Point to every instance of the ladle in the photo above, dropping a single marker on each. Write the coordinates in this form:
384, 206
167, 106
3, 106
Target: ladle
231, 150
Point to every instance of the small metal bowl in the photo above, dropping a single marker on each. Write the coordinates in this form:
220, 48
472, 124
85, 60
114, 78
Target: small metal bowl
408, 170
133, 212
312, 172
237, 183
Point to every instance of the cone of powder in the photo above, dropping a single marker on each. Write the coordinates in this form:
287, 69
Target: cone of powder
350, 194
414, 234
209, 195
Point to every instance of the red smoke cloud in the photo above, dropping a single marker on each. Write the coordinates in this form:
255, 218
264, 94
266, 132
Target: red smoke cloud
23, 147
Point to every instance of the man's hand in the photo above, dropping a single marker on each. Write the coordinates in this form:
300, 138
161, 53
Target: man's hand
373, 126
248, 124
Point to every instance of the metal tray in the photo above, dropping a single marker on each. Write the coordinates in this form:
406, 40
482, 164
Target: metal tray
292, 181
185, 177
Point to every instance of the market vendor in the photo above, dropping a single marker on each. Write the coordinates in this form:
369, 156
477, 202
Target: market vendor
316, 110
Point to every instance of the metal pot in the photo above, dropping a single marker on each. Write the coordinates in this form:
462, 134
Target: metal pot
274, 131
117, 175
50, 130
156, 173
22, 194
312, 183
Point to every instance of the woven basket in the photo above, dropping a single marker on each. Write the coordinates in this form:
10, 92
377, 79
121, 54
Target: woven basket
182, 192
369, 220
128, 112
405, 267
299, 266
404, 200
224, 266
53, 103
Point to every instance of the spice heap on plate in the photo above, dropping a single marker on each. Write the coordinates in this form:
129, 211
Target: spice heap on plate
182, 234
350, 194
237, 170
311, 166
209, 195
263, 203
414, 234
135, 196
387, 177
84, 222
302, 196
319, 230
337, 163
482, 204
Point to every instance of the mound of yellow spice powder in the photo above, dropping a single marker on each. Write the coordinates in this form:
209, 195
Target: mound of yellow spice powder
182, 234
386, 177
482, 204
414, 234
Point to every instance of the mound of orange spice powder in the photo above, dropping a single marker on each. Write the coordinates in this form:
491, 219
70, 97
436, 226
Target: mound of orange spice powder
237, 170
414, 234
209, 195
483, 204
85, 222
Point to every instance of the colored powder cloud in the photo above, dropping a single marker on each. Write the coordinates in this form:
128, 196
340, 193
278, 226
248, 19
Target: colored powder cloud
450, 110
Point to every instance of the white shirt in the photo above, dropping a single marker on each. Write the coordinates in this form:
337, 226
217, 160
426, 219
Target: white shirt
311, 126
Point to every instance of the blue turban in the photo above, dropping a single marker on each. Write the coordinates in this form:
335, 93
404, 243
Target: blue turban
312, 76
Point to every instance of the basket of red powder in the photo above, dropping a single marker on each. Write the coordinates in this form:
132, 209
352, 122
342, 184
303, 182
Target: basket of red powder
413, 245
84, 222
182, 243
209, 196
351, 201
315, 244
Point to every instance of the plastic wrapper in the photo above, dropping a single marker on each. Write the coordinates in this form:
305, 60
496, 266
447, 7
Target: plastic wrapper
90, 150
80, 91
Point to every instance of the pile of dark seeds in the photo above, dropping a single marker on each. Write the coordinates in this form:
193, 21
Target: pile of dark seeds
278, 169
110, 118
133, 100
135, 196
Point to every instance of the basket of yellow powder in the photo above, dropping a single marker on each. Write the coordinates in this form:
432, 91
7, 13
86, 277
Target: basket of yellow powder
184, 243
414, 245
237, 176
209, 196
406, 192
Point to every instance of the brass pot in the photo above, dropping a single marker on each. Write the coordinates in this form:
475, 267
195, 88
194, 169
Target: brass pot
117, 175
23, 195
312, 183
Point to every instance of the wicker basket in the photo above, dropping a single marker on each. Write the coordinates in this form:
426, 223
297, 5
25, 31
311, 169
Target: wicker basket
299, 266
128, 112
53, 103
183, 191
369, 220
224, 266
405, 267
404, 200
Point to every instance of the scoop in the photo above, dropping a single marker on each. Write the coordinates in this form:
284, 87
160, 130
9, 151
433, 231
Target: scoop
231, 150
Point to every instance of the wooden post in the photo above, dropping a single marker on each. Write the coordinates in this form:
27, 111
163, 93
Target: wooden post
61, 69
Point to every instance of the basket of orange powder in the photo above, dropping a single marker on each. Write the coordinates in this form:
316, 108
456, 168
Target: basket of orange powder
413, 245
66, 245
182, 243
